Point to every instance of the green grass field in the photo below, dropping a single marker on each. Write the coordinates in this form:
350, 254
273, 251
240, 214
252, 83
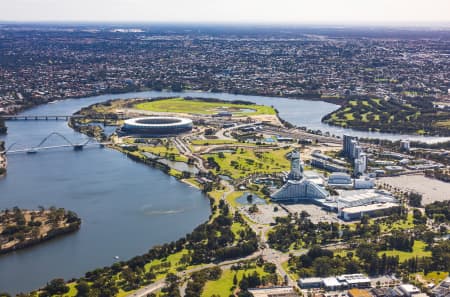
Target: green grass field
418, 251
173, 259
398, 225
181, 105
371, 110
164, 151
245, 162
434, 276
231, 198
286, 268
222, 287
72, 290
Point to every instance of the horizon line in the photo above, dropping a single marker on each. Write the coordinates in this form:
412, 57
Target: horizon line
354, 24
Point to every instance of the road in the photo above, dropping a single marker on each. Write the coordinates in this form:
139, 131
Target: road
184, 149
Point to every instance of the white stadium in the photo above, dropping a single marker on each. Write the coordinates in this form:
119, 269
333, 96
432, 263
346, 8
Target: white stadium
156, 126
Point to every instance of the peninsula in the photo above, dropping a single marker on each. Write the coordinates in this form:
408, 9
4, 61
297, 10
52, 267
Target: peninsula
23, 228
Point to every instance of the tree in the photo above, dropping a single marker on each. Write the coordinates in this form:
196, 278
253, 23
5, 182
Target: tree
56, 287
249, 198
415, 199
83, 289
322, 266
253, 208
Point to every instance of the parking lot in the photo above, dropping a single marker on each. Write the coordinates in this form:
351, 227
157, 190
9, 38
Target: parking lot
317, 214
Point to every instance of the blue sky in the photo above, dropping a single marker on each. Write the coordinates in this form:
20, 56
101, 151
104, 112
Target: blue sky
230, 11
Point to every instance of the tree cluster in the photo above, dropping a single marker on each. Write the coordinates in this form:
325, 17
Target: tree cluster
439, 211
198, 280
215, 241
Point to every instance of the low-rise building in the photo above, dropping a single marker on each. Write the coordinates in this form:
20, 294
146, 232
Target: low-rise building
443, 290
371, 210
326, 165
310, 283
409, 290
331, 284
274, 292
340, 180
345, 281
364, 183
355, 292
356, 280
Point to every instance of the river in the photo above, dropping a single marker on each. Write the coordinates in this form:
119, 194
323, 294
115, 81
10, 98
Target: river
126, 207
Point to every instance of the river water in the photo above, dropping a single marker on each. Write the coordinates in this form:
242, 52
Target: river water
126, 207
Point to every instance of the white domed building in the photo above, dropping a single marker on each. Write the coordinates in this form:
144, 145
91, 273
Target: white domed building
156, 126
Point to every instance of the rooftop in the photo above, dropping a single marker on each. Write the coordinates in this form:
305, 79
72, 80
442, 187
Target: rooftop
273, 292
368, 208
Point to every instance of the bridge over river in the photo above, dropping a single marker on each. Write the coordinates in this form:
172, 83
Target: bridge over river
16, 148
60, 117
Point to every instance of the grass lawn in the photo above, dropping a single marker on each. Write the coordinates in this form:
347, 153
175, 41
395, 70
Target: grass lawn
123, 293
245, 162
343, 253
194, 182
231, 198
72, 290
398, 225
349, 116
418, 251
374, 114
164, 152
434, 276
173, 259
181, 105
222, 286
236, 228
285, 266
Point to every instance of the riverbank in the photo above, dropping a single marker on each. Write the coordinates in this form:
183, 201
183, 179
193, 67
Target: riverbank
3, 160
123, 203
310, 97
301, 113
20, 229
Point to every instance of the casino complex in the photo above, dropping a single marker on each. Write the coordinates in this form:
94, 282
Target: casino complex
349, 201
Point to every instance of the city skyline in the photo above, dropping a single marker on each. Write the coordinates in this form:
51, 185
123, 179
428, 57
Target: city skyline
382, 12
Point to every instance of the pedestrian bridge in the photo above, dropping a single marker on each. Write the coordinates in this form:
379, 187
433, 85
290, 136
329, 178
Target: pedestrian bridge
58, 117
17, 148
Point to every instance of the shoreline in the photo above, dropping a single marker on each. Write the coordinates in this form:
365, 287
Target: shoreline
3, 160
32, 242
65, 226
333, 100
376, 130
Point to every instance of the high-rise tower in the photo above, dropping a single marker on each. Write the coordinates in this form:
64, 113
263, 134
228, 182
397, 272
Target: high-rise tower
296, 167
